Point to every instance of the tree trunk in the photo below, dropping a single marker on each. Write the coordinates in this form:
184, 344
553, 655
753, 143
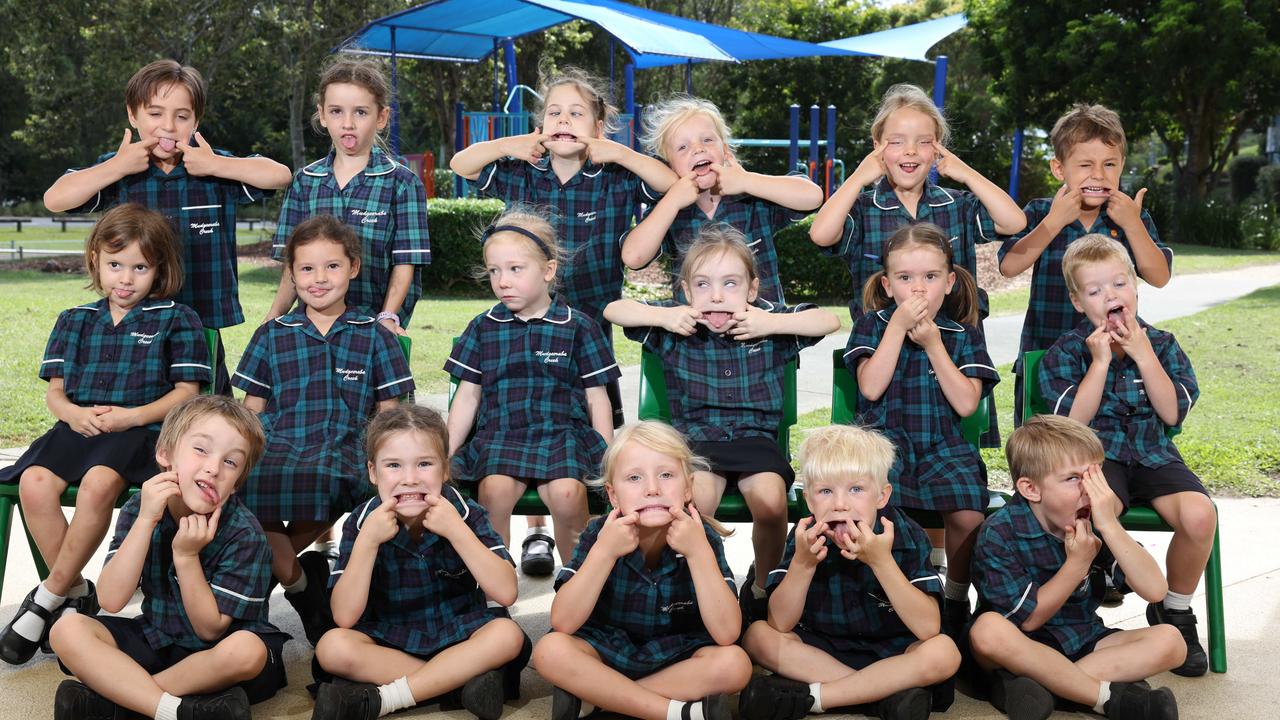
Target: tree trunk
297, 120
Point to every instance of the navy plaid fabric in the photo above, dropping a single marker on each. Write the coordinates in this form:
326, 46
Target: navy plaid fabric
320, 391
386, 204
533, 421
1050, 314
1126, 423
720, 388
422, 597
591, 213
878, 214
758, 220
645, 619
156, 345
1014, 557
935, 467
236, 564
202, 211
846, 600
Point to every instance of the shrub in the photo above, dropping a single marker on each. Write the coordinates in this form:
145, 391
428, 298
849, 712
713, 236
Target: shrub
455, 253
1243, 171
1268, 184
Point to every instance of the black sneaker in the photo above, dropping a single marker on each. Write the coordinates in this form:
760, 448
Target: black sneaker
955, 618
772, 697
909, 704
1131, 701
564, 705
75, 701
753, 608
1019, 697
312, 604
348, 701
1197, 663
482, 695
539, 561
714, 707
230, 704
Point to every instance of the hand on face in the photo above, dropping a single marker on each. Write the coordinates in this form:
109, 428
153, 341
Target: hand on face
380, 525
1066, 207
199, 160
681, 320
811, 543
156, 493
1124, 210
135, 157
909, 314
442, 518
752, 323
685, 534
619, 536
195, 531
1102, 499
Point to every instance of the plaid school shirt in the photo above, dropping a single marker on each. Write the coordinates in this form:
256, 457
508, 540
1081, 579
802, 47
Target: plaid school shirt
878, 213
202, 211
386, 204
422, 598
935, 467
236, 564
719, 388
533, 419
320, 392
1128, 426
846, 600
1014, 557
592, 212
158, 344
1050, 313
645, 618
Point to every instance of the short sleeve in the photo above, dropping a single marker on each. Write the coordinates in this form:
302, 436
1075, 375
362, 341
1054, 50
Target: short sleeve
789, 346
188, 353
654, 339
1165, 250
293, 211
1178, 366
914, 561
494, 180
1036, 210
972, 359
780, 215
978, 220
850, 244
593, 355
241, 573
241, 193
412, 243
478, 521
253, 375
465, 360
1060, 375
124, 523
778, 574
106, 197
55, 351
391, 375
586, 541
1002, 583
717, 546
863, 341
350, 530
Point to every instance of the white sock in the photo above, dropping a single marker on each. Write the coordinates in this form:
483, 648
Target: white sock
77, 591
1104, 694
953, 590
323, 546
585, 709
30, 625
757, 592
395, 696
815, 692
536, 530
1177, 601
167, 708
937, 557
296, 586
676, 708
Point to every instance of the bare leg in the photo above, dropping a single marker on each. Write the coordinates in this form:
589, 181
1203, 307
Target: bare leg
40, 492
1194, 521
498, 494
708, 488
567, 500
961, 533
99, 489
766, 497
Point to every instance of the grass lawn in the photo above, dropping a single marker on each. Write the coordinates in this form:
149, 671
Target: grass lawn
1232, 437
51, 237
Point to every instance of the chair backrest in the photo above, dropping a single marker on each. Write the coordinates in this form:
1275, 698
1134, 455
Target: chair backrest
211, 341
1033, 403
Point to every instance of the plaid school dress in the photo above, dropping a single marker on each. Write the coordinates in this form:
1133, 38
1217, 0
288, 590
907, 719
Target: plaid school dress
720, 388
422, 598
320, 391
935, 467
386, 204
202, 211
1128, 426
1014, 557
645, 619
533, 421
236, 563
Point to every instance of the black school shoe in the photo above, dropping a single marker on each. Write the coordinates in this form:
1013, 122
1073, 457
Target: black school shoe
955, 618
75, 701
16, 649
312, 604
564, 705
540, 562
482, 695
772, 697
1197, 663
353, 701
230, 704
1021, 698
753, 608
1132, 701
909, 704
714, 707
86, 605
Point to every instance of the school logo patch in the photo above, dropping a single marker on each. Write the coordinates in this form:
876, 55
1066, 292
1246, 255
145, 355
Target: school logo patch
205, 228
551, 358
144, 338
350, 374
587, 217
368, 217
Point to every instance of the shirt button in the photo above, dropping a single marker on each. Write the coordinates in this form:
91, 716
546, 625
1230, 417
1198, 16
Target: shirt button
728, 373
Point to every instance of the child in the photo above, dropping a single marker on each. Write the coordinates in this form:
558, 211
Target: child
203, 647
416, 564
1131, 382
1089, 153
690, 134
644, 620
362, 184
1038, 626
594, 185
173, 170
723, 356
114, 368
853, 606
316, 375
921, 365
531, 374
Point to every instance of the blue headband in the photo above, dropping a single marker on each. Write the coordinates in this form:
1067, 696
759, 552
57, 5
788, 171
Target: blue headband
489, 231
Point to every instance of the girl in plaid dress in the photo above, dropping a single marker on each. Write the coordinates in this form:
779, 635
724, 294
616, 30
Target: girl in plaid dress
315, 376
921, 366
531, 377
644, 620
409, 596
114, 368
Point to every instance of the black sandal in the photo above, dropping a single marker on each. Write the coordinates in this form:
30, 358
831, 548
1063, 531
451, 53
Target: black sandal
15, 649
86, 605
537, 564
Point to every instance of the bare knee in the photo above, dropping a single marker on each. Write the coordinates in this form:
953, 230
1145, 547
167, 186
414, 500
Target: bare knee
99, 490
40, 490
990, 636
729, 668
758, 634
939, 658
554, 653
338, 651
71, 630
242, 653
507, 637
1173, 647
1198, 518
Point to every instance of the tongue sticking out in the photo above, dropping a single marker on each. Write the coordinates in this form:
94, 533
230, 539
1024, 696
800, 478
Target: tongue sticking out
1115, 317
841, 531
717, 320
349, 142
167, 144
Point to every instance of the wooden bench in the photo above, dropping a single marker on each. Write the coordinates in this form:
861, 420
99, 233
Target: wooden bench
64, 219
15, 221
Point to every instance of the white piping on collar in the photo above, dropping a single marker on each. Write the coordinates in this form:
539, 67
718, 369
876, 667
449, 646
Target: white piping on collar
160, 307
568, 316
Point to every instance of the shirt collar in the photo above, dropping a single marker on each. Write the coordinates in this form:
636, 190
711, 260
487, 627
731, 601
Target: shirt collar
884, 197
557, 313
380, 163
589, 169
299, 319
1023, 520
941, 320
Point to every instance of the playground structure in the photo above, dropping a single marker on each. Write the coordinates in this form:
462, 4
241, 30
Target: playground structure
827, 173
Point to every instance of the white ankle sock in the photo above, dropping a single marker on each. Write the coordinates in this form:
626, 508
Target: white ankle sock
395, 696
585, 708
815, 692
1104, 694
1177, 601
675, 710
30, 625
167, 708
76, 592
296, 586
953, 590
758, 592
937, 557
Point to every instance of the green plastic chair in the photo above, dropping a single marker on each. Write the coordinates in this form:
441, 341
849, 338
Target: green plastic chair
1145, 518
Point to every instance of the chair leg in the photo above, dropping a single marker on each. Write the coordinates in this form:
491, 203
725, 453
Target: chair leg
6, 521
41, 568
1213, 604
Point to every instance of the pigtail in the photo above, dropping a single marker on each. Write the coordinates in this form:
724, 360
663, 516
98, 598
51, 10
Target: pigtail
873, 295
961, 304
